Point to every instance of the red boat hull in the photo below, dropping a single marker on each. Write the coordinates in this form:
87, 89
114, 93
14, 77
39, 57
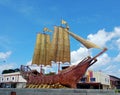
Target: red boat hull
68, 77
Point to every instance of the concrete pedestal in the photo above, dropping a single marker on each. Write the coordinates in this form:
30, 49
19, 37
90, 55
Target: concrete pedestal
26, 91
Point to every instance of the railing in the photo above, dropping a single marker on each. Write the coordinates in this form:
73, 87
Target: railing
26, 71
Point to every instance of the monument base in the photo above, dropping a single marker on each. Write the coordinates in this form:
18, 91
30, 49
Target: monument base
26, 91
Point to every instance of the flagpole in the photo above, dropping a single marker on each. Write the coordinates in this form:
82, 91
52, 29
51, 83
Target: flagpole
61, 22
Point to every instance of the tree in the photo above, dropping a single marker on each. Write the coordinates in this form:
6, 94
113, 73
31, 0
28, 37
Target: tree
10, 71
17, 70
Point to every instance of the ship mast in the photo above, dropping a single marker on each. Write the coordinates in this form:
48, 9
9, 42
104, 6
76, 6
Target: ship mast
86, 43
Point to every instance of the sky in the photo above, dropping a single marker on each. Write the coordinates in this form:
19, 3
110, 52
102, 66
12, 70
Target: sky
95, 20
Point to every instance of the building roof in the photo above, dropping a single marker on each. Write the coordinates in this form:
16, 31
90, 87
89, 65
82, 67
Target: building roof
114, 78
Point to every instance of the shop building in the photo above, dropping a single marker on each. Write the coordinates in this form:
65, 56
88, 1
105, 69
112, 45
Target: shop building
114, 82
94, 80
12, 80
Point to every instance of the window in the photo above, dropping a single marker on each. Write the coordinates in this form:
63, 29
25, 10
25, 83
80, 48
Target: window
2, 79
83, 79
7, 78
13, 78
92, 79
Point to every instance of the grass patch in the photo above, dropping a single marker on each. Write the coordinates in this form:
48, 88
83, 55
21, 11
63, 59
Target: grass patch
117, 91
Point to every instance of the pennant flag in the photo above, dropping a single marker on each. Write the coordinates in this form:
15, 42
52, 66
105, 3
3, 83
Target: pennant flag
63, 22
46, 29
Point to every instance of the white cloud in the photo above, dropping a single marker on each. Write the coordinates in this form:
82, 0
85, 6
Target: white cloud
4, 65
5, 55
103, 60
78, 55
117, 58
113, 69
29, 62
7, 66
117, 31
110, 68
118, 43
108, 61
102, 37
5, 42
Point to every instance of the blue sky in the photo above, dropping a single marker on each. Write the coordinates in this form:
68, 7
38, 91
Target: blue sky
95, 20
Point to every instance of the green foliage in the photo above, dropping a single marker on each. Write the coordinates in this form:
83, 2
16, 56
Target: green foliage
17, 70
117, 91
10, 71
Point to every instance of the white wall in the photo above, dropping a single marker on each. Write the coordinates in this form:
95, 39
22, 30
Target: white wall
12, 77
102, 78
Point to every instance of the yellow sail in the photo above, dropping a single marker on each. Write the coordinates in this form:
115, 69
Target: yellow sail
42, 54
47, 51
42, 49
86, 43
54, 46
60, 45
37, 50
66, 50
58, 49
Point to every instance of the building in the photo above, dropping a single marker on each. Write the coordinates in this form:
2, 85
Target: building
114, 82
12, 80
94, 80
91, 80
